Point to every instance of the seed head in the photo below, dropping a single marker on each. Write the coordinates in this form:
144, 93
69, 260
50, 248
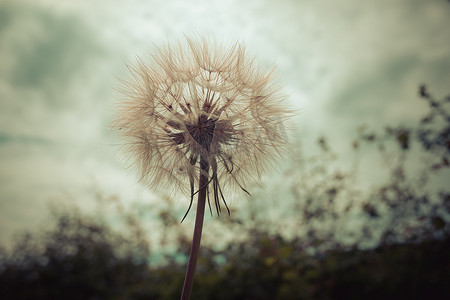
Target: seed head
201, 103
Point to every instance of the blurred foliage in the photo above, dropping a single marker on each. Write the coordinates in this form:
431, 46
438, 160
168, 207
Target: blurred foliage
78, 258
410, 204
340, 241
415, 201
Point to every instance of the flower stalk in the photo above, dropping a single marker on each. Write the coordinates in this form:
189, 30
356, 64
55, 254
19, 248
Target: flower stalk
195, 247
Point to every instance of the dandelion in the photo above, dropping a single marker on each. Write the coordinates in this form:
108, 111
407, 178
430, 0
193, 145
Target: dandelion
204, 119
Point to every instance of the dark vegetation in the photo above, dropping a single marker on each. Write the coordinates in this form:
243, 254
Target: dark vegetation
389, 241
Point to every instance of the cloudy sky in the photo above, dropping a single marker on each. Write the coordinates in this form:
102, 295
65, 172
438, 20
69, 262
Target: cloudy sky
343, 63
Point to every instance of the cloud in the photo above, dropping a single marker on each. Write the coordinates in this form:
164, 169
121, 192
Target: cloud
46, 59
47, 76
45, 51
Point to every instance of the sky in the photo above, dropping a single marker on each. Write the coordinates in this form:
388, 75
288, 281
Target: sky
341, 63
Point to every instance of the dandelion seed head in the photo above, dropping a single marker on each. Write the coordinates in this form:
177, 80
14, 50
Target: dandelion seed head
201, 101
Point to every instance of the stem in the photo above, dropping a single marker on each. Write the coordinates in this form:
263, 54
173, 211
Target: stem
203, 188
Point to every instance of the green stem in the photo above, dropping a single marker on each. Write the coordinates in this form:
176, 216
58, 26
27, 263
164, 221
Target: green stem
203, 188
